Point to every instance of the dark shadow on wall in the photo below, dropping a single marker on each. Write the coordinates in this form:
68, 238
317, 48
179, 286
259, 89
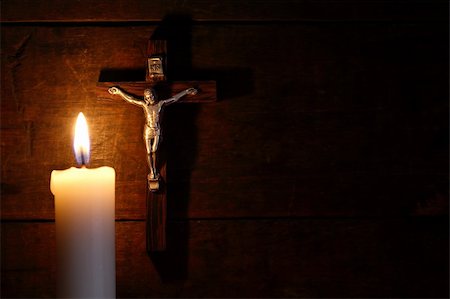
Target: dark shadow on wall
180, 139
179, 148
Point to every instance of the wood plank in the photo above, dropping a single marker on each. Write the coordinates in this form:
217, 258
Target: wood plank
345, 121
267, 258
138, 10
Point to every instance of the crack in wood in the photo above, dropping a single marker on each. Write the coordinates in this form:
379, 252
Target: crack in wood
77, 76
30, 137
14, 63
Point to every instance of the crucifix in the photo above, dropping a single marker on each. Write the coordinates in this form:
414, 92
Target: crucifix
130, 92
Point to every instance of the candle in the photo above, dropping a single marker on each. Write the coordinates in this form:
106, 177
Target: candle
85, 227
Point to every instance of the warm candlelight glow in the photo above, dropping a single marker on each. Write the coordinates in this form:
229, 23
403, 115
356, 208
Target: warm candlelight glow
84, 224
81, 143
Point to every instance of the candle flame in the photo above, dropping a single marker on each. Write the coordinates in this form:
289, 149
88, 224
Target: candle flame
81, 145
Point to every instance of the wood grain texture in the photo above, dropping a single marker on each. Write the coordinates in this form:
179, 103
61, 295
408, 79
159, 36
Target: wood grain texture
266, 258
345, 121
135, 10
322, 171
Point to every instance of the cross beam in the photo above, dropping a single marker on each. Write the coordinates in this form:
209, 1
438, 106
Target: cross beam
206, 89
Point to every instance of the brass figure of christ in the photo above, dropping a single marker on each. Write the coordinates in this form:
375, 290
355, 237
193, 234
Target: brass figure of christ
152, 131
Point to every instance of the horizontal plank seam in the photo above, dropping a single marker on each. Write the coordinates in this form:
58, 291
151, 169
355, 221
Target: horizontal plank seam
286, 218
125, 23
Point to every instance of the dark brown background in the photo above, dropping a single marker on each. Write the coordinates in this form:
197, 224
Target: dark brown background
322, 171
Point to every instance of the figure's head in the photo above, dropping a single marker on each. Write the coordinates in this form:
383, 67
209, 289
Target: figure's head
149, 96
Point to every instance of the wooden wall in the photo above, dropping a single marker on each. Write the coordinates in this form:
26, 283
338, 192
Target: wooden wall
322, 171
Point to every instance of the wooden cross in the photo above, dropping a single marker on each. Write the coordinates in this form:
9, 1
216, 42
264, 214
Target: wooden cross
155, 75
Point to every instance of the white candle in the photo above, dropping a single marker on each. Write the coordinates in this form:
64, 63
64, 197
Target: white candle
85, 227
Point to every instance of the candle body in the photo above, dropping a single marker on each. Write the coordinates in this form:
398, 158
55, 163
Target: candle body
85, 231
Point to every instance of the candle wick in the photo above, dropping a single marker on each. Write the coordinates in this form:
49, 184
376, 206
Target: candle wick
83, 161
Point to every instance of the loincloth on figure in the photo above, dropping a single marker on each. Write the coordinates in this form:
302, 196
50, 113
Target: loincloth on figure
150, 133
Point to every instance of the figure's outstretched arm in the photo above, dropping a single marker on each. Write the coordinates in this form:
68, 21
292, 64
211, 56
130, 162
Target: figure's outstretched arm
191, 91
125, 96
